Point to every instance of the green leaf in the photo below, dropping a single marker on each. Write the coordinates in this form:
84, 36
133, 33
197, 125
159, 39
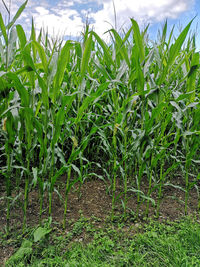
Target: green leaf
67, 101
28, 59
33, 38
60, 115
108, 57
76, 169
61, 65
44, 88
24, 96
78, 50
42, 55
17, 15
60, 172
89, 99
140, 80
4, 89
21, 36
121, 49
40, 233
24, 251
164, 33
138, 40
191, 82
3, 30
10, 128
86, 57
35, 177
175, 186
175, 48
39, 128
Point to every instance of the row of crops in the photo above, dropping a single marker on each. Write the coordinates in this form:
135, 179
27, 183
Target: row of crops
123, 110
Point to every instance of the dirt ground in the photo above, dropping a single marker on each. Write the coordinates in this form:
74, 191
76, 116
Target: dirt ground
93, 200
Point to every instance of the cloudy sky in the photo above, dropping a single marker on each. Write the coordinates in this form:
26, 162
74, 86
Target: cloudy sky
68, 17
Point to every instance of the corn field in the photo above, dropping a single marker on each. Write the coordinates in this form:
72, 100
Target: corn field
125, 110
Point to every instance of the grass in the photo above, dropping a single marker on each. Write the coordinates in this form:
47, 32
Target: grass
152, 244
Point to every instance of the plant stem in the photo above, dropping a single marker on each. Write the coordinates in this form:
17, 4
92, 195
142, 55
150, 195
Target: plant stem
50, 182
125, 175
8, 189
149, 193
114, 171
186, 177
66, 195
160, 189
26, 194
67, 188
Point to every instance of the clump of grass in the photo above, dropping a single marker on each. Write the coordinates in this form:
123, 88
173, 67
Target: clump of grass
158, 244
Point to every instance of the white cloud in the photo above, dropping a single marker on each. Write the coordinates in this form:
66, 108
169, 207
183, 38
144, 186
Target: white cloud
60, 19
67, 16
144, 11
42, 11
65, 21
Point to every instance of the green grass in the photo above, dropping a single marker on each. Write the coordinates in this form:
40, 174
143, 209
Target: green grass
153, 244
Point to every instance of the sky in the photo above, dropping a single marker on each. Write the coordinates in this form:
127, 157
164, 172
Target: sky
67, 18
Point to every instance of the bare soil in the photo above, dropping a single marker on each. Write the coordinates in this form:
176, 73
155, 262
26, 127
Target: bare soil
93, 199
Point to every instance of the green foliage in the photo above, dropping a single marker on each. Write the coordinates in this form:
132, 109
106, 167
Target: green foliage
22, 253
129, 107
157, 244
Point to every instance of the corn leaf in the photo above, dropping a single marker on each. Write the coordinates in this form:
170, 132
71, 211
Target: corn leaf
17, 15
86, 57
108, 57
61, 65
3, 30
175, 48
21, 36
138, 40
24, 95
42, 55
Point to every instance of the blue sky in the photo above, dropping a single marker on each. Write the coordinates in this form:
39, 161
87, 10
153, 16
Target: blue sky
66, 17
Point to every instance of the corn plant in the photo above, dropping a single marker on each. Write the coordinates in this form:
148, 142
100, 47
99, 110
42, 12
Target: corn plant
124, 111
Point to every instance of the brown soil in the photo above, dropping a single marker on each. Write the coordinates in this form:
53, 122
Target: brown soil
95, 201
